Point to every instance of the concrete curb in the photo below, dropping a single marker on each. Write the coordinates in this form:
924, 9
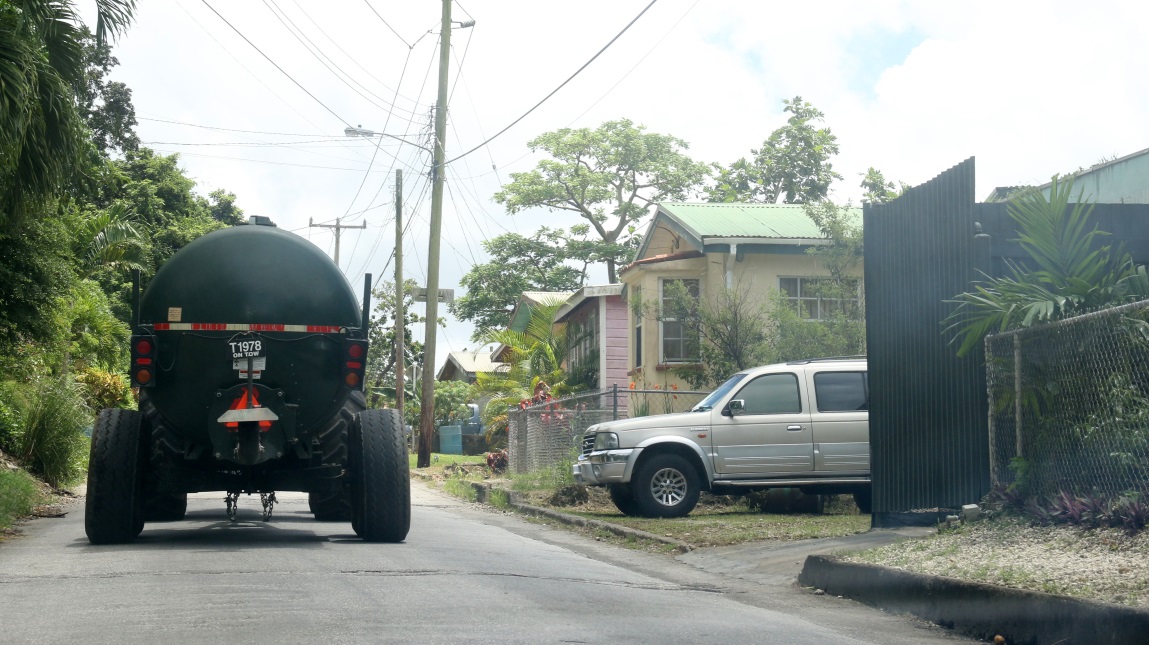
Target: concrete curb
977, 609
483, 496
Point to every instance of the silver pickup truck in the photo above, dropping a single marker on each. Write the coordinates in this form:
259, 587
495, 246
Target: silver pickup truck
803, 424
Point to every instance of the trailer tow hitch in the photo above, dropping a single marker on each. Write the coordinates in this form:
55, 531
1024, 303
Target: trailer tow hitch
267, 500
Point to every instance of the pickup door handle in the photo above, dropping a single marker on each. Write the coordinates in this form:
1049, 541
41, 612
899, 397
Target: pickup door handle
793, 428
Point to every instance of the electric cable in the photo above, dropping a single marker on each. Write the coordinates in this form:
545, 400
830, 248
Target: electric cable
561, 85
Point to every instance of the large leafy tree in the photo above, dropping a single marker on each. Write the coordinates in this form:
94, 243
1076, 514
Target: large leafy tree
792, 166
41, 71
1067, 272
609, 176
518, 264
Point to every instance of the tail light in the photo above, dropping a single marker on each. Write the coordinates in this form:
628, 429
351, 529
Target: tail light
144, 364
354, 363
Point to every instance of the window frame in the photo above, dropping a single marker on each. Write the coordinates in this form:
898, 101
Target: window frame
683, 339
822, 307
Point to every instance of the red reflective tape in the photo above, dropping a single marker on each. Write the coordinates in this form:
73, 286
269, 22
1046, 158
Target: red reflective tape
257, 327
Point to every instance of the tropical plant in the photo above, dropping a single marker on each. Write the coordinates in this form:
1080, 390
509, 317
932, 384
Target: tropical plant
42, 65
107, 238
533, 361
49, 440
1067, 273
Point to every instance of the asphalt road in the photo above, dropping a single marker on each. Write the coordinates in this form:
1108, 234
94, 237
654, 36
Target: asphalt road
463, 575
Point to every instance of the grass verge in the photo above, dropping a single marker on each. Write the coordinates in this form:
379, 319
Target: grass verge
19, 494
1099, 564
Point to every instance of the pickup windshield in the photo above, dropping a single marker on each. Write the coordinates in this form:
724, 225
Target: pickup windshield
715, 396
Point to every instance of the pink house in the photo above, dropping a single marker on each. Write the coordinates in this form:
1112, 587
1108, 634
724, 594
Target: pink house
596, 323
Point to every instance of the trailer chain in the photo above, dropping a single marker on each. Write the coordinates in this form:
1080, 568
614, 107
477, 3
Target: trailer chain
268, 500
232, 501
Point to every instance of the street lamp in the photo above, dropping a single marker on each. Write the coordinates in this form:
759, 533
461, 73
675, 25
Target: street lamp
360, 131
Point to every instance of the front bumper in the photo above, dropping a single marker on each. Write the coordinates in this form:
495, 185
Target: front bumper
603, 467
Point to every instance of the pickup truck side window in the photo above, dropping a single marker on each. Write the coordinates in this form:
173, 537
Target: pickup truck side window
772, 394
841, 391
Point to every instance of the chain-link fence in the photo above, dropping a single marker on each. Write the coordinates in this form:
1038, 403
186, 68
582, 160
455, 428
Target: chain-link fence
550, 433
1069, 405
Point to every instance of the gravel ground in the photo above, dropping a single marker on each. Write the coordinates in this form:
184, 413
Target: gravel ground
1102, 564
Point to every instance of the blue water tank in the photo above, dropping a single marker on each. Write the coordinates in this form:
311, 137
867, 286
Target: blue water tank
451, 440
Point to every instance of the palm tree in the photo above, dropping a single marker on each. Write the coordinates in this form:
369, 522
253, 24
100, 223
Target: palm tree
41, 67
535, 357
1069, 273
108, 239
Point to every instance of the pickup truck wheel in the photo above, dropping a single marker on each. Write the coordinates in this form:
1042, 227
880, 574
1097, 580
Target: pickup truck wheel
623, 498
863, 498
381, 484
665, 486
113, 510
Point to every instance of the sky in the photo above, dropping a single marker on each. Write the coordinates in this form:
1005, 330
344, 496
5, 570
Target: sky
255, 97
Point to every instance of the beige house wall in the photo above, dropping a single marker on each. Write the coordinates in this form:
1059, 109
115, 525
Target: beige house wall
757, 273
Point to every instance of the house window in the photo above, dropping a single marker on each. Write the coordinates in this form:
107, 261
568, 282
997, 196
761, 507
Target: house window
637, 314
638, 344
582, 342
804, 295
679, 345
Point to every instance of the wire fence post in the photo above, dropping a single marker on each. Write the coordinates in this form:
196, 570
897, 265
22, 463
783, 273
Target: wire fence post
614, 392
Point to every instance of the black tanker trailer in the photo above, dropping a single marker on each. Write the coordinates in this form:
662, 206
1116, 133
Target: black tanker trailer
249, 351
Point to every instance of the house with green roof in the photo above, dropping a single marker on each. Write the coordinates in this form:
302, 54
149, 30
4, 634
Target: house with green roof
754, 248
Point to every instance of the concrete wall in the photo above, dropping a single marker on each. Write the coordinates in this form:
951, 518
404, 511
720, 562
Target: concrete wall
1121, 182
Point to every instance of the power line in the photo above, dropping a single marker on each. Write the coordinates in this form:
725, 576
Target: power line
318, 54
276, 65
353, 59
404, 40
561, 85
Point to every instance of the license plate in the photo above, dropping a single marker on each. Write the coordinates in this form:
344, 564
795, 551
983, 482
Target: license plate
245, 348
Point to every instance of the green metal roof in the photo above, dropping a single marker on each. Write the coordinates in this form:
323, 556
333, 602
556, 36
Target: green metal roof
710, 220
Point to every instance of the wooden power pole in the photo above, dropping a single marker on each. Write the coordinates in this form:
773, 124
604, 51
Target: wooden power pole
400, 310
339, 227
427, 401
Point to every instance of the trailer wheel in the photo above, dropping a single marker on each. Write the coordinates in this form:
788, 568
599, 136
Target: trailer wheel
335, 506
381, 484
113, 511
623, 498
165, 507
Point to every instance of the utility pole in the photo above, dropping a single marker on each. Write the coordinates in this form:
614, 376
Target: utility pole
400, 310
427, 402
338, 226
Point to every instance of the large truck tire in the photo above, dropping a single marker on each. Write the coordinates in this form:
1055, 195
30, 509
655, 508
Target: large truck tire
381, 484
335, 506
165, 507
665, 485
113, 510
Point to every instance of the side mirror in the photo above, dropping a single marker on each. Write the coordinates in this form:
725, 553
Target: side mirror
737, 407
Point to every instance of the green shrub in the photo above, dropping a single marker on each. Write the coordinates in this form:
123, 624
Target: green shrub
49, 441
18, 495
